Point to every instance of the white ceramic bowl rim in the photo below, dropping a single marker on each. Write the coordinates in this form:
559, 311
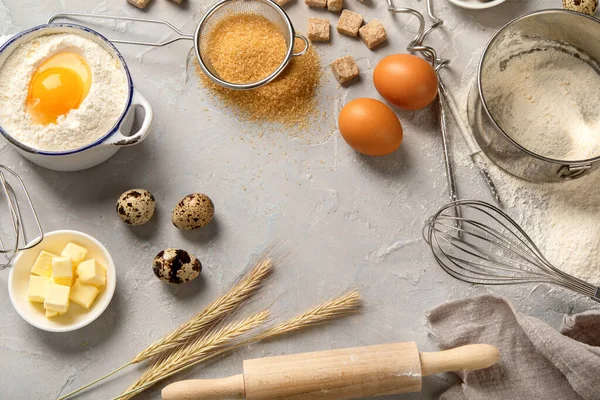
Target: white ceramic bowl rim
114, 129
98, 312
476, 6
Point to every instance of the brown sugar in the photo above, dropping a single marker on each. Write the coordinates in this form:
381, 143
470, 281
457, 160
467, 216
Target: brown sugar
318, 30
373, 34
349, 23
139, 3
289, 100
335, 5
245, 48
344, 69
316, 3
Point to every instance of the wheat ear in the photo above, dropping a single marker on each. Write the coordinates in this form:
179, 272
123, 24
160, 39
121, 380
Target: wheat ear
214, 312
346, 304
196, 350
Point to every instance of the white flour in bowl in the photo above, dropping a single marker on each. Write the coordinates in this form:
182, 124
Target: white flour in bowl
94, 118
547, 100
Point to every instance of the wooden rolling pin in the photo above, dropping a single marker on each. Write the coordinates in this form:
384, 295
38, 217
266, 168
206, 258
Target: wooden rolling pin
336, 374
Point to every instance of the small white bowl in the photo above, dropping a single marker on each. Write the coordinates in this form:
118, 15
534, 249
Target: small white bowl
475, 4
77, 317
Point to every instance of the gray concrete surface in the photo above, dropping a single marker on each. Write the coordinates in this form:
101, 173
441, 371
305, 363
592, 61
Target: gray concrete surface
352, 221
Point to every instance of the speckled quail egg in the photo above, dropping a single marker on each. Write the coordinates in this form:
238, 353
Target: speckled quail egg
585, 6
136, 206
194, 211
176, 266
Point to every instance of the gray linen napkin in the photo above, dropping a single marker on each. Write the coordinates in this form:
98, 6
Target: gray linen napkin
537, 362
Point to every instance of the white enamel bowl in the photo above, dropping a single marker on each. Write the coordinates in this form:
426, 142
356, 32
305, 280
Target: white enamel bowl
476, 4
77, 317
106, 146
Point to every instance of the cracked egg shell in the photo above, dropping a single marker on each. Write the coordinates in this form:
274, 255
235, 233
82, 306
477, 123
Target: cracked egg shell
176, 266
194, 211
136, 206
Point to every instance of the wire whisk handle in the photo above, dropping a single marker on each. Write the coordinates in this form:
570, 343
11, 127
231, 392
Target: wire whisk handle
21, 240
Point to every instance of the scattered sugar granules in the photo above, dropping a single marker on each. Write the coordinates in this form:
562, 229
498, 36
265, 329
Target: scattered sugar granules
245, 48
289, 100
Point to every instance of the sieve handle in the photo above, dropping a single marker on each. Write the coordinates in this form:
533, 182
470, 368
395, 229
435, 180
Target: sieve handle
306, 45
180, 35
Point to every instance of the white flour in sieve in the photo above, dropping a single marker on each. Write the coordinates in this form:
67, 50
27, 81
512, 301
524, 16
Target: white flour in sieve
547, 100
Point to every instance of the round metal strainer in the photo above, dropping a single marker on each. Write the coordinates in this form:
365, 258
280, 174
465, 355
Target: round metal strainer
266, 8
226, 8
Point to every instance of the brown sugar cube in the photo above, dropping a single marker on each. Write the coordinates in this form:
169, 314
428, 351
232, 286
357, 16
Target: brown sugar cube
316, 3
318, 29
349, 23
139, 3
282, 2
344, 69
335, 5
373, 34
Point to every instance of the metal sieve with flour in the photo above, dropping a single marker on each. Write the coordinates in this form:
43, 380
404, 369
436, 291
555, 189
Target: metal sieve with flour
534, 107
265, 8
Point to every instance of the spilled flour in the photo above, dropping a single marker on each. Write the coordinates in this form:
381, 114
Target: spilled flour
561, 218
546, 99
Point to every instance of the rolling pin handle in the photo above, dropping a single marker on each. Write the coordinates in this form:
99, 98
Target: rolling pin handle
471, 357
206, 389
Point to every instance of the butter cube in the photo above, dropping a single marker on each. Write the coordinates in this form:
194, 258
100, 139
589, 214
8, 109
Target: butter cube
62, 271
57, 298
75, 253
37, 288
52, 314
83, 295
43, 264
91, 272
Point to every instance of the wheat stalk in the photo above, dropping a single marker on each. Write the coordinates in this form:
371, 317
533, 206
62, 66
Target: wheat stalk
346, 304
216, 311
197, 349
212, 314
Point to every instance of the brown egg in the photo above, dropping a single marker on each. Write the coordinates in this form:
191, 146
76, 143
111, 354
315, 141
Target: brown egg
194, 211
370, 127
406, 81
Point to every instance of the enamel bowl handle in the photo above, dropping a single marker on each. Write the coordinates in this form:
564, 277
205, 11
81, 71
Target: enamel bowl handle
120, 139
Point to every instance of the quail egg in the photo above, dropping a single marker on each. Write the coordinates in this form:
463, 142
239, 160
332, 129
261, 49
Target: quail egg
584, 6
194, 211
136, 206
176, 266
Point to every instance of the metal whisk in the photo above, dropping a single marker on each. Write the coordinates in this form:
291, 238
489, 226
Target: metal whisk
16, 239
485, 246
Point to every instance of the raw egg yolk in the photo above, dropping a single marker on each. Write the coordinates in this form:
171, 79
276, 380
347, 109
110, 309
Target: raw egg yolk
58, 86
